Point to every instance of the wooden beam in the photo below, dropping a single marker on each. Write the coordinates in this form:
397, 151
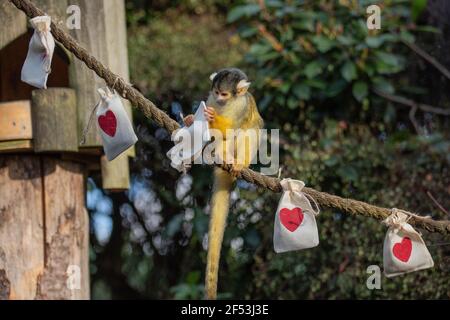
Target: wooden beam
66, 272
56, 9
92, 150
92, 161
16, 146
21, 226
44, 229
116, 41
91, 36
54, 120
14, 23
15, 121
116, 173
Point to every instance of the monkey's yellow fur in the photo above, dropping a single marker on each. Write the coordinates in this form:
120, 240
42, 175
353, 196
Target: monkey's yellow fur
219, 213
242, 115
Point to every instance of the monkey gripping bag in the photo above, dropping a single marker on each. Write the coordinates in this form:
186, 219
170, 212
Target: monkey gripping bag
404, 250
38, 62
114, 125
189, 141
295, 225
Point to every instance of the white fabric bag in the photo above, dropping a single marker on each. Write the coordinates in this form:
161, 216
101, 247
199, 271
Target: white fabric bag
295, 225
189, 141
404, 250
114, 125
38, 62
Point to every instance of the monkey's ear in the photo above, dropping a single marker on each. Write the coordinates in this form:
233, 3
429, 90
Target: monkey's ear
212, 76
242, 87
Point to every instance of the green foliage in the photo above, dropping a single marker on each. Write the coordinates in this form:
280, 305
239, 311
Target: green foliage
323, 49
417, 8
177, 53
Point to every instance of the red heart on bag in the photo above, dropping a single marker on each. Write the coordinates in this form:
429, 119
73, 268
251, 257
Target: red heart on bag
402, 250
108, 123
291, 218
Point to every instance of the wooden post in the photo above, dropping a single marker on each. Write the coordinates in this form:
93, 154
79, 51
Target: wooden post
104, 36
44, 232
115, 173
91, 36
44, 229
54, 114
14, 23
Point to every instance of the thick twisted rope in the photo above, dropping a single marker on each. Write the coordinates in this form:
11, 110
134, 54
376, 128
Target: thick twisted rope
149, 109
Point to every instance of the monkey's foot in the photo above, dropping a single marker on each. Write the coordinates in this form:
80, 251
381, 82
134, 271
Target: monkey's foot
188, 120
236, 169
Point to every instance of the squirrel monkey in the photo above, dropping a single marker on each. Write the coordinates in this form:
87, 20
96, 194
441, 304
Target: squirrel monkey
229, 106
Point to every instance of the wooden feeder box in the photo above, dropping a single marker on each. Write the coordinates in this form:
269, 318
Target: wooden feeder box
43, 168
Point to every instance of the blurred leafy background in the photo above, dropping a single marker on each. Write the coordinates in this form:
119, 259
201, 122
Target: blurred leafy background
329, 84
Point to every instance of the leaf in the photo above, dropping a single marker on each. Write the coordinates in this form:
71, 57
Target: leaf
174, 225
377, 41
193, 277
264, 103
242, 11
284, 88
316, 83
258, 49
200, 222
417, 8
336, 87
306, 24
274, 4
323, 43
348, 71
252, 238
345, 40
389, 114
360, 90
292, 103
248, 32
348, 173
331, 161
312, 69
389, 58
383, 84
302, 91
388, 63
428, 29
407, 36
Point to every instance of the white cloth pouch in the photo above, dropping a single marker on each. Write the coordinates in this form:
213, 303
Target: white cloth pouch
404, 250
295, 226
189, 141
114, 125
38, 62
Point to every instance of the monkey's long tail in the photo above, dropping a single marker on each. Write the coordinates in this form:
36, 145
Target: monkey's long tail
220, 203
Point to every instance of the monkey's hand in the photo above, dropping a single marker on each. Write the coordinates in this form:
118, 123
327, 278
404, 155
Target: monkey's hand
236, 168
210, 114
188, 120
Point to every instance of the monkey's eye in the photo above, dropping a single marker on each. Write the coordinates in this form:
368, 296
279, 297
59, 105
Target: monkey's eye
217, 92
224, 94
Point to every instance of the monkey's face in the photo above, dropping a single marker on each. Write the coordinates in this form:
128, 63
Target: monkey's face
221, 97
227, 85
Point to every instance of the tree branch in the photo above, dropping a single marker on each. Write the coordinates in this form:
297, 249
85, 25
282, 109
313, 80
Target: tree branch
411, 103
424, 55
